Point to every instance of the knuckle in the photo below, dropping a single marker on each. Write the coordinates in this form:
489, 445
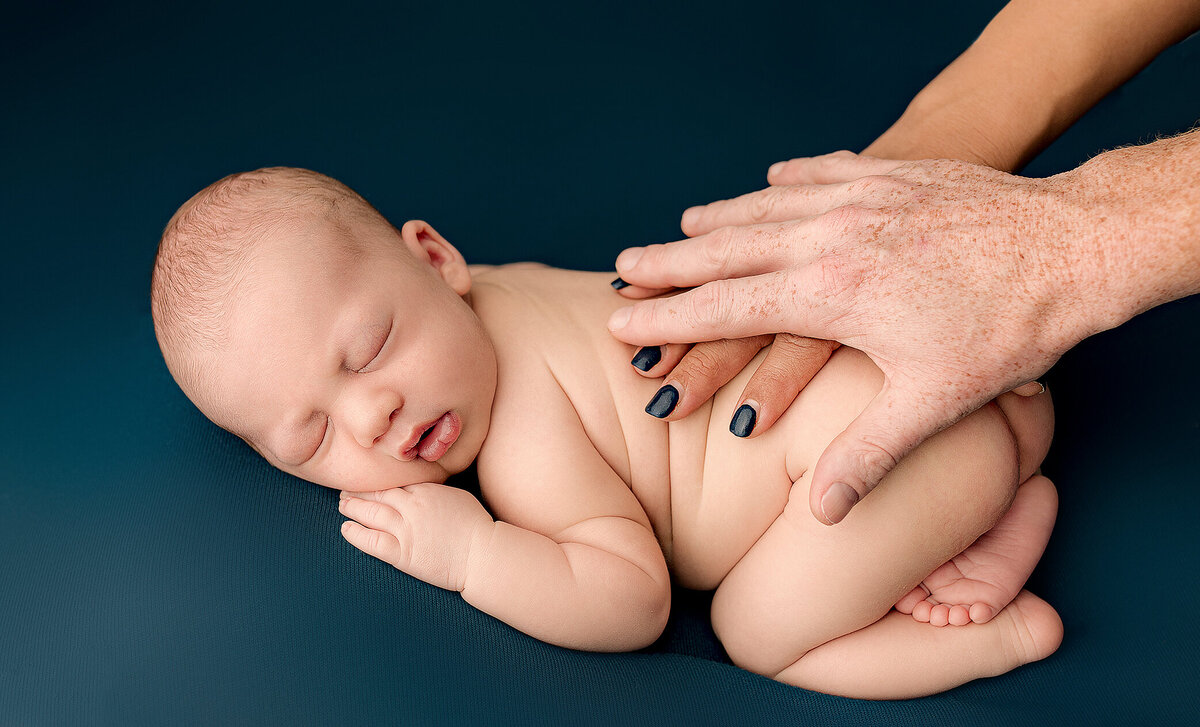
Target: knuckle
717, 249
874, 459
762, 205
837, 277
707, 303
844, 218
702, 364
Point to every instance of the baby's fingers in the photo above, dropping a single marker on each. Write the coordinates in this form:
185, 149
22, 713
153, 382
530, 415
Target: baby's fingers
377, 530
383, 546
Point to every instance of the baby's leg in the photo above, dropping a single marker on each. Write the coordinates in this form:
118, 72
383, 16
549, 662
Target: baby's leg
803, 584
976, 584
898, 658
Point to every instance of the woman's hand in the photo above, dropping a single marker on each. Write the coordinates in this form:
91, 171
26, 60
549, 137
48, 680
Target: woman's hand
947, 274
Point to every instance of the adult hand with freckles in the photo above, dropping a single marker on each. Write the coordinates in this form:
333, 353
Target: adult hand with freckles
960, 282
850, 236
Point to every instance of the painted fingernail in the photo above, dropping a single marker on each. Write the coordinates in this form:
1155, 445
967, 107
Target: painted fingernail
618, 284
629, 258
663, 402
743, 421
838, 500
646, 358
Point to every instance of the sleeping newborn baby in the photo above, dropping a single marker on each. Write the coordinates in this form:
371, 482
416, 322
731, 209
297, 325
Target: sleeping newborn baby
375, 361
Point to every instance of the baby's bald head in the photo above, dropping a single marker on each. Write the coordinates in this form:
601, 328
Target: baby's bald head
203, 255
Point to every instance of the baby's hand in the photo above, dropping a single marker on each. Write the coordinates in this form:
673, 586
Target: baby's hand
425, 529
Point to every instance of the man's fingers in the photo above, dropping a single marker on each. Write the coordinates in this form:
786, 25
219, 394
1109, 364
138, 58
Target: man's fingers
728, 309
840, 166
729, 252
857, 459
790, 364
773, 204
705, 368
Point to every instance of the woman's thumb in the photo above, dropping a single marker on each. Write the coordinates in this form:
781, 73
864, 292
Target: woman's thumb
891, 426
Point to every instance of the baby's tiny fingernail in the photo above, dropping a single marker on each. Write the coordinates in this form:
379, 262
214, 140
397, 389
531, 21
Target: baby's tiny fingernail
663, 402
646, 358
618, 284
743, 421
691, 216
776, 168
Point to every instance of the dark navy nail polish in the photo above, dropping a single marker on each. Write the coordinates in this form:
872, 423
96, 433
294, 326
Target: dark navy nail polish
663, 402
646, 358
743, 421
618, 284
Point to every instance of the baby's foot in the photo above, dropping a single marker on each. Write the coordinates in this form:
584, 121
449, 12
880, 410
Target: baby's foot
979, 582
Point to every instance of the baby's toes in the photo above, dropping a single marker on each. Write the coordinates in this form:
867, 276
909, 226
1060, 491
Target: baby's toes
922, 610
915, 596
981, 613
959, 616
939, 615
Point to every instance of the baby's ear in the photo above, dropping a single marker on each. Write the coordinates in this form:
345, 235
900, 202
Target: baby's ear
428, 245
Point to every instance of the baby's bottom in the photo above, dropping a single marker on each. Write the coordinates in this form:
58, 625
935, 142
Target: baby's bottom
824, 621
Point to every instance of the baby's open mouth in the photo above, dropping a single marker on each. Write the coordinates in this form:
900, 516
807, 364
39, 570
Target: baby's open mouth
437, 438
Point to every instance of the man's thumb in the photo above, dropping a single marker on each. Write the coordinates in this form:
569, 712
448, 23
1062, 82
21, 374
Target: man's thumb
856, 460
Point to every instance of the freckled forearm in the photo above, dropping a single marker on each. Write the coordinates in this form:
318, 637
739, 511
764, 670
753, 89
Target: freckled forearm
570, 594
1136, 218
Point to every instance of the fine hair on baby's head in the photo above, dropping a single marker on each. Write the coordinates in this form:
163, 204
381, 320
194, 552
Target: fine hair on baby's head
202, 257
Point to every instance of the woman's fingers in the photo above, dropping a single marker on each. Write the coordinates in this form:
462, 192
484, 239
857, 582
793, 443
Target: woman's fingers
790, 364
655, 362
636, 292
702, 370
1033, 388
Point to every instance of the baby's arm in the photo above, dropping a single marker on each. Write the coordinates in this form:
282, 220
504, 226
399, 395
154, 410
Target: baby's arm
575, 561
576, 564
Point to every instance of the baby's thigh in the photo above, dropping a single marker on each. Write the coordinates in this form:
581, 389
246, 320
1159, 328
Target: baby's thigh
803, 583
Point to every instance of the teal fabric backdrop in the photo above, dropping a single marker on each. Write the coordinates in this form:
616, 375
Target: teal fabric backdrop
153, 570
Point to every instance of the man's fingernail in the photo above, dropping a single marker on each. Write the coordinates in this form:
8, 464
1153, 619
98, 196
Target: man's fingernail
776, 168
646, 358
743, 421
663, 402
838, 500
690, 216
618, 284
629, 258
619, 318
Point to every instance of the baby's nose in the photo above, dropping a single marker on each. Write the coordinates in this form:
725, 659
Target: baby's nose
387, 427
